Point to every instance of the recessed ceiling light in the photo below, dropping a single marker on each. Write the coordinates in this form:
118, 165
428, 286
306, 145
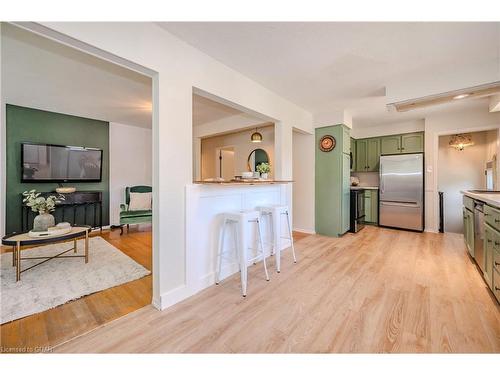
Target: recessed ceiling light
461, 96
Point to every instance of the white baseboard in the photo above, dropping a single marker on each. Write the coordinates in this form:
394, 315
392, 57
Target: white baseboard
182, 292
308, 231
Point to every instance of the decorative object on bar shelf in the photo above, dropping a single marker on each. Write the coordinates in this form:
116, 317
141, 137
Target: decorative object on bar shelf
43, 206
256, 137
264, 169
65, 190
247, 174
58, 230
354, 181
460, 141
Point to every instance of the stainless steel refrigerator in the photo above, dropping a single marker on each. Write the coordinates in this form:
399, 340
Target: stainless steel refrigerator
402, 191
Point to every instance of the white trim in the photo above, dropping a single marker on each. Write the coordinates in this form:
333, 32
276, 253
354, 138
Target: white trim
114, 59
308, 231
435, 166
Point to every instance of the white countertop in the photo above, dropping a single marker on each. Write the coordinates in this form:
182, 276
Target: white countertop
364, 187
488, 198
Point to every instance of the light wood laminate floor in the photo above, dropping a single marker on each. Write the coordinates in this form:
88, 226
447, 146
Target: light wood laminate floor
379, 290
44, 330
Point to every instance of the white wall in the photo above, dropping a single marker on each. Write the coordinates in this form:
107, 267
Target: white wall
180, 68
242, 149
303, 185
130, 163
460, 170
387, 129
444, 124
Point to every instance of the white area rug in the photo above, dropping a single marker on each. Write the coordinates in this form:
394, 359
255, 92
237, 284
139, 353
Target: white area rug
61, 280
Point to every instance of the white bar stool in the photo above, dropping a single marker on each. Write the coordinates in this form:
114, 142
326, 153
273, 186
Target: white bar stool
276, 212
240, 220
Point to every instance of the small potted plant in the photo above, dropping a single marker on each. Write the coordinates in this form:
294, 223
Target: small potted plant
44, 220
264, 169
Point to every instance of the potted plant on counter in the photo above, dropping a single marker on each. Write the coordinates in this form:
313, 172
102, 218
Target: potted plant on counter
44, 220
264, 169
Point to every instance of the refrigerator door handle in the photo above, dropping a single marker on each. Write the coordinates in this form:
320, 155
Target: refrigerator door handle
382, 180
401, 204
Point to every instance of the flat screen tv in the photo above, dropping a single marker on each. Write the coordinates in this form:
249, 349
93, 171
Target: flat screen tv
55, 163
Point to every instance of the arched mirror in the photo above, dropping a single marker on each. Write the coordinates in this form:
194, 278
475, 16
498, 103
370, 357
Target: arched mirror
257, 157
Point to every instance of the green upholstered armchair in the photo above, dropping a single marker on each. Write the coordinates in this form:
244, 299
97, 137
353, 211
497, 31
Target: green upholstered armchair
134, 217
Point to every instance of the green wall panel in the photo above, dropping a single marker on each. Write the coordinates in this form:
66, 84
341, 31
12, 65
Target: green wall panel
32, 125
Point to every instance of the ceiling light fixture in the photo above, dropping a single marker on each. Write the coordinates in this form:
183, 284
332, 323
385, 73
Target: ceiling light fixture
460, 141
461, 96
256, 137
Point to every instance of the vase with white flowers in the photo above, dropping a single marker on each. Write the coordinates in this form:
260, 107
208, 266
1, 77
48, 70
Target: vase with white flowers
264, 169
43, 206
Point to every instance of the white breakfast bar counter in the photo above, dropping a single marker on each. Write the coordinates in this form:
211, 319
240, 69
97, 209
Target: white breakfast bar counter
205, 204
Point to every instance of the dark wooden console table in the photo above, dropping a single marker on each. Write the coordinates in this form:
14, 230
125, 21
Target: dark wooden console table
78, 208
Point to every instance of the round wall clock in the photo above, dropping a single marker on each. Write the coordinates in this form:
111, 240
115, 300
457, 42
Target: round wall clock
327, 143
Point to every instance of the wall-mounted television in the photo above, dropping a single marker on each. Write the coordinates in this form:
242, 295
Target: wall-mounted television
56, 163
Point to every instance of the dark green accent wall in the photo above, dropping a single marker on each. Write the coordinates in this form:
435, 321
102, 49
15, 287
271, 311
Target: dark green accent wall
32, 125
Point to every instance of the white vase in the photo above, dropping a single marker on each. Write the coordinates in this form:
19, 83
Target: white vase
264, 175
43, 221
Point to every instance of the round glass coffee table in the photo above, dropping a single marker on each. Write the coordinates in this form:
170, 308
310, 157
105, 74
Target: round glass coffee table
18, 240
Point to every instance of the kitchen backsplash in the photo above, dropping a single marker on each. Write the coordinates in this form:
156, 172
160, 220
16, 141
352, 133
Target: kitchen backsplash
367, 178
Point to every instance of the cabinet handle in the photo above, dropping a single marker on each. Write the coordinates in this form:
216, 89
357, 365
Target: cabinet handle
497, 221
497, 264
497, 243
489, 240
497, 288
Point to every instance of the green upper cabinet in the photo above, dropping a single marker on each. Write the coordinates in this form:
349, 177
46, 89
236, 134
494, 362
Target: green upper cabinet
361, 153
373, 155
402, 144
413, 142
353, 153
390, 145
367, 155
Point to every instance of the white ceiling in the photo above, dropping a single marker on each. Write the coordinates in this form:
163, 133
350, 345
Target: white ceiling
325, 66
206, 110
43, 74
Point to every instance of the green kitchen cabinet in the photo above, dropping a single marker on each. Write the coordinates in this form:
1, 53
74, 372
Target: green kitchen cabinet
468, 219
390, 145
332, 183
373, 155
367, 155
346, 192
371, 206
374, 206
402, 143
413, 142
353, 154
361, 154
491, 242
368, 206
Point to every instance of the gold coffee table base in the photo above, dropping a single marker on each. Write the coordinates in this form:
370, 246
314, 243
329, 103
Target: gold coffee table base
17, 241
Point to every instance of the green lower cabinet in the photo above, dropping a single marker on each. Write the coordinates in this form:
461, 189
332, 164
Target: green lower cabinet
368, 206
469, 230
374, 206
371, 206
491, 242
